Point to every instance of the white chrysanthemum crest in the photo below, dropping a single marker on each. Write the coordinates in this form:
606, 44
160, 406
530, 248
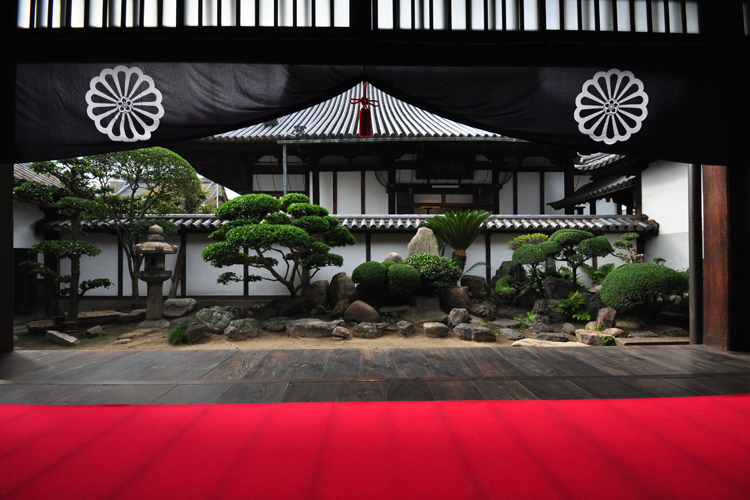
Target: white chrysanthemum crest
124, 104
611, 106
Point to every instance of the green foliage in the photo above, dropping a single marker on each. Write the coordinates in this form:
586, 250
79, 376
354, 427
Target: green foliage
459, 229
435, 271
639, 286
403, 281
529, 255
504, 287
289, 238
597, 275
177, 334
577, 246
527, 239
370, 274
626, 243
659, 260
525, 321
388, 263
571, 306
607, 340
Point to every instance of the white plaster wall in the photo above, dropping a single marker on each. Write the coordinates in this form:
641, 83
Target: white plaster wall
349, 196
376, 197
103, 265
506, 198
499, 250
554, 189
528, 192
665, 200
383, 244
201, 276
353, 256
326, 191
25, 216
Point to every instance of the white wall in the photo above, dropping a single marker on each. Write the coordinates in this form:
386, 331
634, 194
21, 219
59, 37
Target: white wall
554, 189
528, 193
25, 216
665, 200
376, 197
349, 193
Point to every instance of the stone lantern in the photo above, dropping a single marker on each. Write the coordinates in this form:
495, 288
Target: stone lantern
154, 274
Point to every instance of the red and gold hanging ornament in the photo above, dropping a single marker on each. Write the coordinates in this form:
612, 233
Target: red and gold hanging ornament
365, 120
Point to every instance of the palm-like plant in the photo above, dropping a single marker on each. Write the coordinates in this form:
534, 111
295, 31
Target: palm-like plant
459, 230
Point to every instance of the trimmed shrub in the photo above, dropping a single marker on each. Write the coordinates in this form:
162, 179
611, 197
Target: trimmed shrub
527, 239
370, 274
403, 280
638, 286
504, 287
435, 271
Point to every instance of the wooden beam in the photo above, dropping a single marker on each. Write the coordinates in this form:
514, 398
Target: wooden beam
6, 255
716, 251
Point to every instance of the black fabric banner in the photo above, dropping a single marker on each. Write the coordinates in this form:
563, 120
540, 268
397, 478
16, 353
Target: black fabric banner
79, 109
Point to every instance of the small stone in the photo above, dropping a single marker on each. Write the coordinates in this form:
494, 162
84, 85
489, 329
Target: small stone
435, 330
122, 341
195, 332
614, 332
544, 343
551, 337
511, 334
242, 329
405, 328
361, 312
393, 257
311, 328
484, 310
341, 333
606, 317
475, 332
318, 311
505, 322
63, 339
540, 328
643, 334
153, 324
591, 337
458, 316
569, 328
277, 324
176, 308
94, 331
369, 330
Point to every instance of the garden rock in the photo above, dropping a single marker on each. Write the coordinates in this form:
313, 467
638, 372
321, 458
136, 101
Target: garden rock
340, 308
153, 324
590, 337
195, 332
369, 330
316, 294
544, 343
557, 288
569, 328
484, 310
540, 328
175, 308
94, 331
606, 317
318, 311
506, 322
405, 328
475, 332
458, 316
122, 341
452, 297
342, 333
551, 337
341, 288
277, 324
508, 269
435, 330
311, 328
217, 318
669, 331
511, 334
547, 307
63, 339
477, 285
242, 329
393, 257
361, 312
185, 319
424, 241
134, 316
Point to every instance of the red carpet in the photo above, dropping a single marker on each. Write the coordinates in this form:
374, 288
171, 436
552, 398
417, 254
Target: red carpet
674, 448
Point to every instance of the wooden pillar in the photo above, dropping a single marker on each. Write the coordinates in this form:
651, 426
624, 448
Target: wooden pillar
335, 189
695, 242
6, 255
726, 215
569, 186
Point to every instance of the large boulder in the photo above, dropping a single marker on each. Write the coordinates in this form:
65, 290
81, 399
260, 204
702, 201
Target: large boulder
176, 308
424, 241
546, 307
277, 324
311, 328
477, 285
361, 312
508, 269
458, 316
316, 294
606, 317
242, 329
557, 288
405, 328
217, 318
341, 288
484, 310
452, 297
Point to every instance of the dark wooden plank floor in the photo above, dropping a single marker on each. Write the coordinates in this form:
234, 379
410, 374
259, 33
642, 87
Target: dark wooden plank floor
476, 373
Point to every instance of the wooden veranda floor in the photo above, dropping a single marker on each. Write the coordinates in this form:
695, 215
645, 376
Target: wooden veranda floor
234, 376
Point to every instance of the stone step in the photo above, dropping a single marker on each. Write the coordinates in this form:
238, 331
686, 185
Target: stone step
626, 341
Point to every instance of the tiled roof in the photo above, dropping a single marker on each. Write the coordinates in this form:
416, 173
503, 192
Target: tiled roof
498, 223
22, 172
595, 161
336, 118
595, 191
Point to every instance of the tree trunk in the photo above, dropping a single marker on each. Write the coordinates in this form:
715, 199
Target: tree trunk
75, 270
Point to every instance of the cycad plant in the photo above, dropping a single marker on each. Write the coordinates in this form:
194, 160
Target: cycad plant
459, 230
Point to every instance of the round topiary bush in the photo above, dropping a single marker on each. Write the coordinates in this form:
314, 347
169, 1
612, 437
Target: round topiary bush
369, 274
504, 287
435, 271
638, 286
403, 281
